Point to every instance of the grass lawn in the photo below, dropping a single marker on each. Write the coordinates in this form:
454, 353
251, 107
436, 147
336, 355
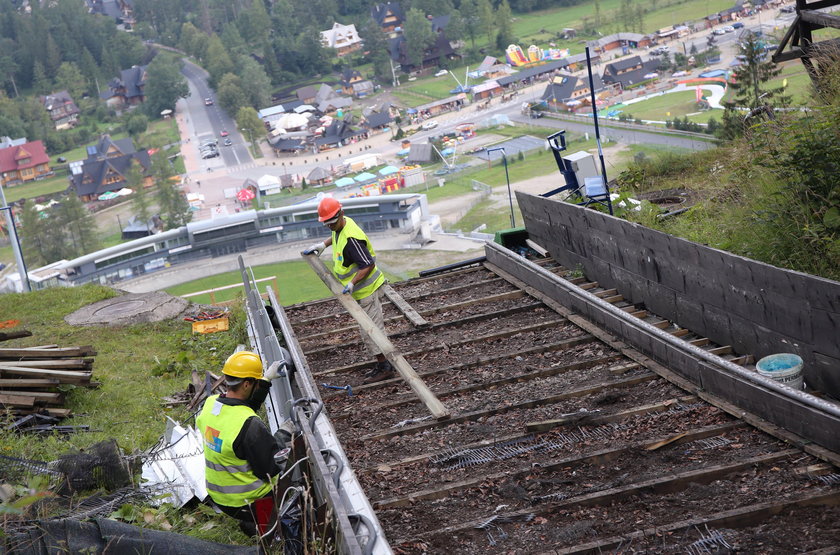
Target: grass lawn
137, 366
555, 20
159, 133
666, 106
410, 99
35, 189
295, 280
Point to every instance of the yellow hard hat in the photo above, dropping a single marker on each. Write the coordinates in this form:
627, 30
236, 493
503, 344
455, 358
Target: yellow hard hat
243, 364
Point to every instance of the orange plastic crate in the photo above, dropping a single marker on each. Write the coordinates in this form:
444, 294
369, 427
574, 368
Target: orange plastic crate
211, 326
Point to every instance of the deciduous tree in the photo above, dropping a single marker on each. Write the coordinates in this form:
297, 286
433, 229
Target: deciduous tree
418, 36
164, 86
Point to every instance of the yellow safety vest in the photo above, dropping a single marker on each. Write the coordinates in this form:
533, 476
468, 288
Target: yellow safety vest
374, 280
229, 479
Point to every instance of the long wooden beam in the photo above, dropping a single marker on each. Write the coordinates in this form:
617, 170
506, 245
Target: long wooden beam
388, 350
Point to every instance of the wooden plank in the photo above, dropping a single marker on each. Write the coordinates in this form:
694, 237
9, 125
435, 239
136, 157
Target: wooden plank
73, 363
39, 396
64, 376
527, 376
388, 350
5, 336
596, 419
590, 285
532, 403
17, 400
740, 517
534, 245
28, 382
457, 306
606, 293
662, 484
562, 344
598, 457
404, 307
46, 353
612, 299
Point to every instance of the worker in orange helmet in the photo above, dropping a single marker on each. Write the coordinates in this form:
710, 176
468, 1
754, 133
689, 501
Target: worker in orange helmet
354, 264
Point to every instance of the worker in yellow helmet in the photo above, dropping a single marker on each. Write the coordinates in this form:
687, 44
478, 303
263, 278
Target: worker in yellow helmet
354, 264
239, 450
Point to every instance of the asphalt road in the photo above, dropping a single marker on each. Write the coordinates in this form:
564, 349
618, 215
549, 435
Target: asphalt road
208, 122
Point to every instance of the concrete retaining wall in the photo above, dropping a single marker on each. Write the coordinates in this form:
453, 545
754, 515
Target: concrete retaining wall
757, 308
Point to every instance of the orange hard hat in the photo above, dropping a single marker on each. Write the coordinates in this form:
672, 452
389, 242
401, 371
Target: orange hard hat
328, 209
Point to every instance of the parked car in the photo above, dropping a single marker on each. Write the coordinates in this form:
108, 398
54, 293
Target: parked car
787, 9
210, 154
738, 25
208, 101
441, 73
679, 74
536, 114
728, 29
719, 31
431, 124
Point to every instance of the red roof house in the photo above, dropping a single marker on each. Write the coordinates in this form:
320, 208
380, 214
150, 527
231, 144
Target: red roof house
26, 162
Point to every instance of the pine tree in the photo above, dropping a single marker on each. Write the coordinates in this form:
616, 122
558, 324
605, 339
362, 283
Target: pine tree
30, 233
140, 202
78, 226
749, 87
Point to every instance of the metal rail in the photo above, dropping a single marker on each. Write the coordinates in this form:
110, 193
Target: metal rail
291, 401
288, 404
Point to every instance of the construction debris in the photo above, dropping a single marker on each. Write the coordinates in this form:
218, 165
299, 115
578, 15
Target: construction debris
30, 378
197, 391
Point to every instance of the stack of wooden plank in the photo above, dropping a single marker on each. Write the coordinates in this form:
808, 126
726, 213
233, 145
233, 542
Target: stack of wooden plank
30, 377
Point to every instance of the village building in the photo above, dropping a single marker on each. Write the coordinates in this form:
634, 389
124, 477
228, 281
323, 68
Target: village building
354, 84
23, 162
378, 121
127, 89
629, 72
63, 111
106, 168
623, 41
569, 90
344, 39
389, 16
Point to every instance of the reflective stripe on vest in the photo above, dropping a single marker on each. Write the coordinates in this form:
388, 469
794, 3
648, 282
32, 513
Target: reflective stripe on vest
229, 479
344, 273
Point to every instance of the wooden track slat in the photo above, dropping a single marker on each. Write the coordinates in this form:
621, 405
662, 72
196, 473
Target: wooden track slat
388, 350
404, 307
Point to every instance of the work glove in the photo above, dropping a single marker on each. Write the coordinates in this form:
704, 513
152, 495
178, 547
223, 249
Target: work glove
276, 370
315, 249
348, 289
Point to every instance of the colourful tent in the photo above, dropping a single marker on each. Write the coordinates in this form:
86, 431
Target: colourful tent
364, 176
345, 182
388, 170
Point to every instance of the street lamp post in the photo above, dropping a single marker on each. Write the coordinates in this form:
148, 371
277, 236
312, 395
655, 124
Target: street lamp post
507, 179
10, 224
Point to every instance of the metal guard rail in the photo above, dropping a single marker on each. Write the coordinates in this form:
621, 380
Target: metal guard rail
294, 397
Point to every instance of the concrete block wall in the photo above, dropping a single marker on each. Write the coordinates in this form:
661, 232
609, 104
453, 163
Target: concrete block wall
757, 308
